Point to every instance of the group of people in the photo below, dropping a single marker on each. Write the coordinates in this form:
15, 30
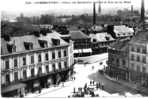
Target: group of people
88, 89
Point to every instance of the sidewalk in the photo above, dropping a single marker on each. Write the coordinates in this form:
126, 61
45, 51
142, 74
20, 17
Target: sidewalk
141, 90
48, 90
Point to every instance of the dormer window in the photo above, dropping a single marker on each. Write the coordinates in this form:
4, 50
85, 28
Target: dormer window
107, 38
11, 48
94, 40
43, 43
55, 41
28, 45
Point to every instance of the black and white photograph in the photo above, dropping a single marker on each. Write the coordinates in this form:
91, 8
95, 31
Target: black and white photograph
74, 48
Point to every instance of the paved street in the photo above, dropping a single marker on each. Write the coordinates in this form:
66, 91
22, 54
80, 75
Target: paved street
112, 86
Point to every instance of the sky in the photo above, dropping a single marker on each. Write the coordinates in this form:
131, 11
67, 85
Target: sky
61, 7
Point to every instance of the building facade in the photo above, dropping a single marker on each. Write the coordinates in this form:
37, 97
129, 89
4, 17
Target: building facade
29, 63
100, 42
138, 59
118, 60
82, 43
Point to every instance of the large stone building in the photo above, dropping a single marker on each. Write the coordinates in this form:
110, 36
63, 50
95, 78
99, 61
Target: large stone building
128, 60
138, 58
33, 62
118, 60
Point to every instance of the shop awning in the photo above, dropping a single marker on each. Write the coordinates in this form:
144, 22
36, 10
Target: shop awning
76, 51
87, 50
13, 87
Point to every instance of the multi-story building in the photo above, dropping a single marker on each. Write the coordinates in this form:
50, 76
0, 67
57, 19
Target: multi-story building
120, 31
118, 60
138, 58
100, 42
30, 62
82, 43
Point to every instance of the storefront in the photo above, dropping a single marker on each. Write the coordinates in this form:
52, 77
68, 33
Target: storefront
119, 74
14, 90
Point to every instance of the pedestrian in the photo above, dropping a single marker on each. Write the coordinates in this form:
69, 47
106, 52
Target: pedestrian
97, 86
93, 82
74, 90
74, 78
63, 84
92, 67
102, 86
90, 82
85, 86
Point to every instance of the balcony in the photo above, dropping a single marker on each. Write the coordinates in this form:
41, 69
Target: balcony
46, 74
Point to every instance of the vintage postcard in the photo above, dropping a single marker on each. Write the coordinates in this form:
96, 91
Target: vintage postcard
74, 48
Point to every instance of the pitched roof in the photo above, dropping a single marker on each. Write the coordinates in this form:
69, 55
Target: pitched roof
140, 37
19, 42
78, 35
122, 30
102, 37
3, 46
51, 36
120, 45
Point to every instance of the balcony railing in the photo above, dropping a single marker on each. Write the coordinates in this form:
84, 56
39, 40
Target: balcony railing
45, 74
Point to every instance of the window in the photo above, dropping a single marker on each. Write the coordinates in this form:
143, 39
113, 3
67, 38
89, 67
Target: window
132, 57
143, 70
24, 60
15, 76
46, 56
138, 68
65, 64
60, 67
24, 74
65, 53
117, 61
53, 55
123, 62
138, 58
132, 48
144, 59
138, 49
144, 50
53, 66
47, 68
32, 59
39, 58
132, 66
59, 54
32, 72
7, 79
7, 64
15, 62
39, 71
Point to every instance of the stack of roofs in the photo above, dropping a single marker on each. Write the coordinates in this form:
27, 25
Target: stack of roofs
101, 37
31, 42
123, 31
78, 35
141, 37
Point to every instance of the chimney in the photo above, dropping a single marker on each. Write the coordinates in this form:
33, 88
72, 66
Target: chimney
94, 14
132, 9
142, 14
99, 9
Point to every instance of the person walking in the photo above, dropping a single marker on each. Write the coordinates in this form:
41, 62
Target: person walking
97, 86
102, 86
93, 82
